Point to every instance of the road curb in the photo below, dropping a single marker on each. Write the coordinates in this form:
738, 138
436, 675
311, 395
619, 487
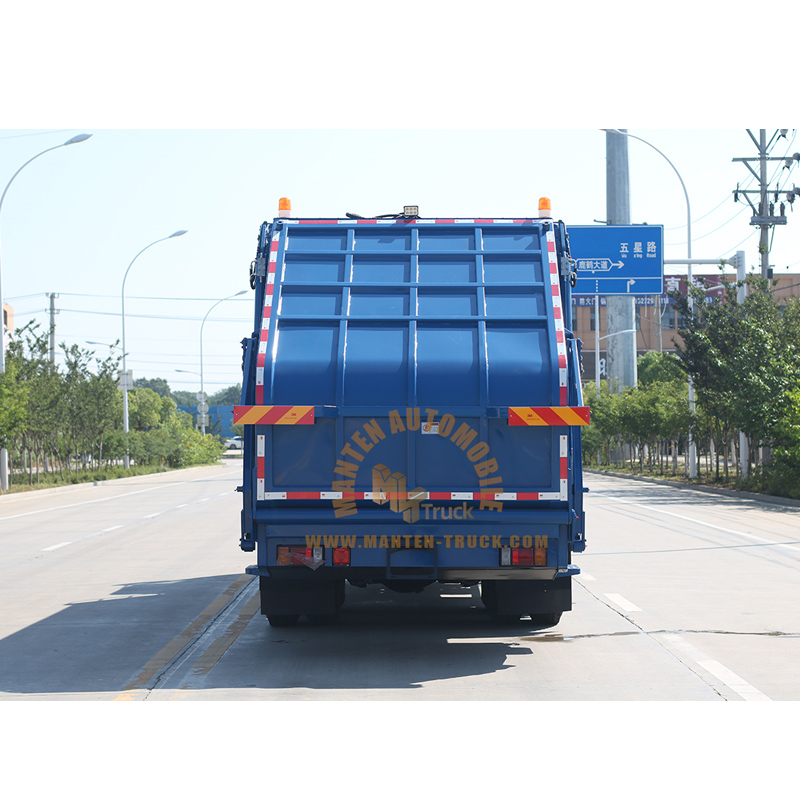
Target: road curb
761, 498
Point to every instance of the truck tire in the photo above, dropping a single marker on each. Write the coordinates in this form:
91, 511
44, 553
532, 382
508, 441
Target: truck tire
546, 620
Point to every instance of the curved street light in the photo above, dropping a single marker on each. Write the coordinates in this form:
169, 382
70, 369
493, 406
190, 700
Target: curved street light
692, 448
81, 137
202, 391
124, 351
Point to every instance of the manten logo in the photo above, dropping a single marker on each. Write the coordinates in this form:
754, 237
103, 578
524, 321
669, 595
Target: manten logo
427, 542
390, 487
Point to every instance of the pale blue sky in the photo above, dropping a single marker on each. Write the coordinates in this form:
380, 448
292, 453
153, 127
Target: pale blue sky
74, 218
138, 76
203, 117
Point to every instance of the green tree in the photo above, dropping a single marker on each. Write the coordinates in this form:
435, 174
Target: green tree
146, 409
227, 397
158, 385
744, 359
184, 398
785, 478
653, 367
13, 405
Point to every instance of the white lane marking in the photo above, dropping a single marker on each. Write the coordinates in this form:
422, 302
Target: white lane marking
83, 538
722, 673
224, 494
89, 502
624, 604
739, 685
700, 522
150, 516
585, 576
182, 505
102, 499
204, 500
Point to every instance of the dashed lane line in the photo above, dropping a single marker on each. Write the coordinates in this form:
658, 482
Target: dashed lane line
700, 522
719, 671
82, 538
624, 604
683, 651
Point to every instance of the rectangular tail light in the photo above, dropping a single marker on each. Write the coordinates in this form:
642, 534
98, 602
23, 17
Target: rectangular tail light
298, 555
341, 556
523, 557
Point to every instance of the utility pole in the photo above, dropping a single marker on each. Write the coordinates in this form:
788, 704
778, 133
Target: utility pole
741, 296
764, 217
53, 313
620, 310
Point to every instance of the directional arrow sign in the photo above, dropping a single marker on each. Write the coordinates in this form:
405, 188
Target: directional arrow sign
618, 259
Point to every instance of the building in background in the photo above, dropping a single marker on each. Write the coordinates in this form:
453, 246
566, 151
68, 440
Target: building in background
8, 325
656, 320
220, 419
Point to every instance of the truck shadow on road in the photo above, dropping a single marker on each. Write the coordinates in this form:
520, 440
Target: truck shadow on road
382, 640
98, 646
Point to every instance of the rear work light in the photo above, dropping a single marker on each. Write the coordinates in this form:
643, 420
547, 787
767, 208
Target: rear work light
341, 557
410, 211
284, 207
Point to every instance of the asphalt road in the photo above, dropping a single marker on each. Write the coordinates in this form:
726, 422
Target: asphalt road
135, 590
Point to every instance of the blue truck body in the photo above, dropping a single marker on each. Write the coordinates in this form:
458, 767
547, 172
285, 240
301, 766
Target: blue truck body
412, 408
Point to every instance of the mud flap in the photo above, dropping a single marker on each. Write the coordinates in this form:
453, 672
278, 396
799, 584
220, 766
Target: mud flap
286, 597
509, 598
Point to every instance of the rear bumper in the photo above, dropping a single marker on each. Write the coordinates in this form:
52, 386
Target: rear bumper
444, 574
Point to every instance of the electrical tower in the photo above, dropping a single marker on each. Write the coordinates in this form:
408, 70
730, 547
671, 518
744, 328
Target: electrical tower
764, 216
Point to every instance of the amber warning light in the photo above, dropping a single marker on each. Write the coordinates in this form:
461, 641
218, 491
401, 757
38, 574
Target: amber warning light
284, 207
544, 207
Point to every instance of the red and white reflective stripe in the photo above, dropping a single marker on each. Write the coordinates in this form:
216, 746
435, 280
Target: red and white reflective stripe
563, 463
406, 221
261, 466
558, 313
265, 318
560, 495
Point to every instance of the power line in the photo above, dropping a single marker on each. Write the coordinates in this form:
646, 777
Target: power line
133, 297
148, 316
38, 133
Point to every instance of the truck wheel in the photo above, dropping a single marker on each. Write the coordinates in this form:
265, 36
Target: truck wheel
546, 620
283, 620
506, 619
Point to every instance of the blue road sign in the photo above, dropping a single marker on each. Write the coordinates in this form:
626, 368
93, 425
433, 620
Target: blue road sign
618, 259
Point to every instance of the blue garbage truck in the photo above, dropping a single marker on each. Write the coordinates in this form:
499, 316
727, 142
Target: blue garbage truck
412, 409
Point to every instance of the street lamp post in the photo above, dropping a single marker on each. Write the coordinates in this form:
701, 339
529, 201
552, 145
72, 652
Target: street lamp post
124, 351
692, 449
81, 137
202, 324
